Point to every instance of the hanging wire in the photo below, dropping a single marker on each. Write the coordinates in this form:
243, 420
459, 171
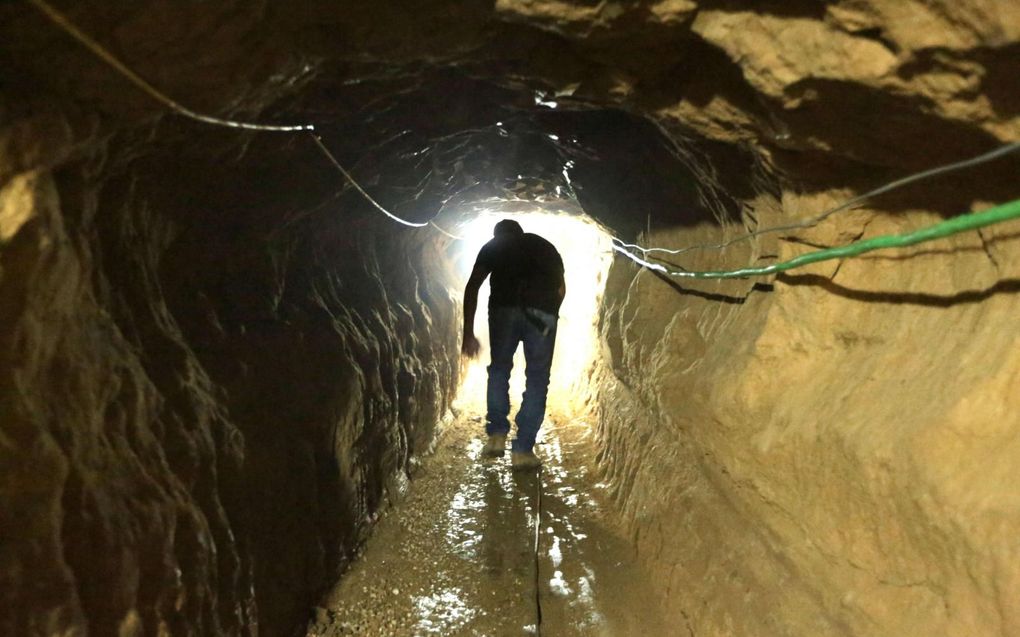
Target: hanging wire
619, 245
451, 235
813, 221
99, 51
357, 186
962, 223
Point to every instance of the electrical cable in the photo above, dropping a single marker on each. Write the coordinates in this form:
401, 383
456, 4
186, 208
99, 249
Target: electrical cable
972, 221
813, 221
854, 249
99, 51
449, 234
357, 186
538, 528
963, 223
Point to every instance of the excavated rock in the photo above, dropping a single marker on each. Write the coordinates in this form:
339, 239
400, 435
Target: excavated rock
210, 386
836, 464
217, 363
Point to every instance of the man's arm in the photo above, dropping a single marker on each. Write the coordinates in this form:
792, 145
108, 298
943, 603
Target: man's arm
470, 345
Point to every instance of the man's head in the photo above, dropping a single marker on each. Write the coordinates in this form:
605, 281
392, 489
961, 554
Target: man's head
507, 228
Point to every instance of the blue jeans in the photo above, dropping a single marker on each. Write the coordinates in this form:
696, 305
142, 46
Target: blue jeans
509, 326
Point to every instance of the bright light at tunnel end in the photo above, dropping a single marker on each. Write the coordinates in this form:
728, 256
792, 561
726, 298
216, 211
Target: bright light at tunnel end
587, 254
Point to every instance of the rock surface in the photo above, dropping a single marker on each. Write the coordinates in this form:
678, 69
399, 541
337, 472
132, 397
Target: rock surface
834, 452
217, 362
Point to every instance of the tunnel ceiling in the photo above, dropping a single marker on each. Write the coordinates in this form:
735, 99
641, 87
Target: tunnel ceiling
673, 109
210, 327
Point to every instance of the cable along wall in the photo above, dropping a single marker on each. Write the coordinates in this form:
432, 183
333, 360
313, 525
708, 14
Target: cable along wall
854, 422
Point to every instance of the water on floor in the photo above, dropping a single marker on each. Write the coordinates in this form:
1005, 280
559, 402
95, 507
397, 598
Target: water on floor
457, 555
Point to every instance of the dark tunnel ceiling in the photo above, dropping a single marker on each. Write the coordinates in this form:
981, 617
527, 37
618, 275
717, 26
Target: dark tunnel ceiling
411, 106
418, 133
417, 137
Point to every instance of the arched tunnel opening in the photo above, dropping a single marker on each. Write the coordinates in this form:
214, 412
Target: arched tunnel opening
232, 399
586, 250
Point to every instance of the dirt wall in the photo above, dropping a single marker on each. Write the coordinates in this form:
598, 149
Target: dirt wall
830, 454
216, 359
203, 408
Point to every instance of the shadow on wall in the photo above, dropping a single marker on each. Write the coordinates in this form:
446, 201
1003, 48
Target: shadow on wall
1004, 286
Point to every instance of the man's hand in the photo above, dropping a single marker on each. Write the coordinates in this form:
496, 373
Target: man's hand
471, 346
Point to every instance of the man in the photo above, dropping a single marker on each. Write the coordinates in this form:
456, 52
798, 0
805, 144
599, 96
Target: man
526, 291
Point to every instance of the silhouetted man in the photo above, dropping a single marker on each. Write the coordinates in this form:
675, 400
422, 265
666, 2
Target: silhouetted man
526, 291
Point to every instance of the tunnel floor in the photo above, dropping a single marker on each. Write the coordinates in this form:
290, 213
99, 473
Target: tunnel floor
456, 556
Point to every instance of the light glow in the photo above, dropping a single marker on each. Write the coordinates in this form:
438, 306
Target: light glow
587, 253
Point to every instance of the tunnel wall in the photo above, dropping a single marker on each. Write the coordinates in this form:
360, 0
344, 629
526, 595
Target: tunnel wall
168, 354
830, 453
209, 383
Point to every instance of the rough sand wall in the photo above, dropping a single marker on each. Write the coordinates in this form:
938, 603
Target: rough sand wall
202, 407
834, 457
834, 453
170, 356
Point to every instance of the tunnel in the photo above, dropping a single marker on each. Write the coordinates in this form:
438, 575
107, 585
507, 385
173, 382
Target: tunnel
230, 354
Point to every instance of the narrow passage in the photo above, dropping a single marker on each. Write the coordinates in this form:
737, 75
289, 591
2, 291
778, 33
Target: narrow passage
456, 557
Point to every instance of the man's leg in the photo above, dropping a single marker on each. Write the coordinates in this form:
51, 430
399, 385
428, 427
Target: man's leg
503, 339
538, 354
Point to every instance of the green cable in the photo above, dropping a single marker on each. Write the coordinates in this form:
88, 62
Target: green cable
963, 223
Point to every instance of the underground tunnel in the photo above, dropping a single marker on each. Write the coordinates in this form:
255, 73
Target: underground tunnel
231, 384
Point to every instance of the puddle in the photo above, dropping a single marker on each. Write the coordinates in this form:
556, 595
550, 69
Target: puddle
456, 557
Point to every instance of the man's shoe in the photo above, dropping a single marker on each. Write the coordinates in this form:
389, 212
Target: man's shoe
524, 461
495, 447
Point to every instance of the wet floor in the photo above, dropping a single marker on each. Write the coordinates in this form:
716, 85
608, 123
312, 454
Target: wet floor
457, 555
